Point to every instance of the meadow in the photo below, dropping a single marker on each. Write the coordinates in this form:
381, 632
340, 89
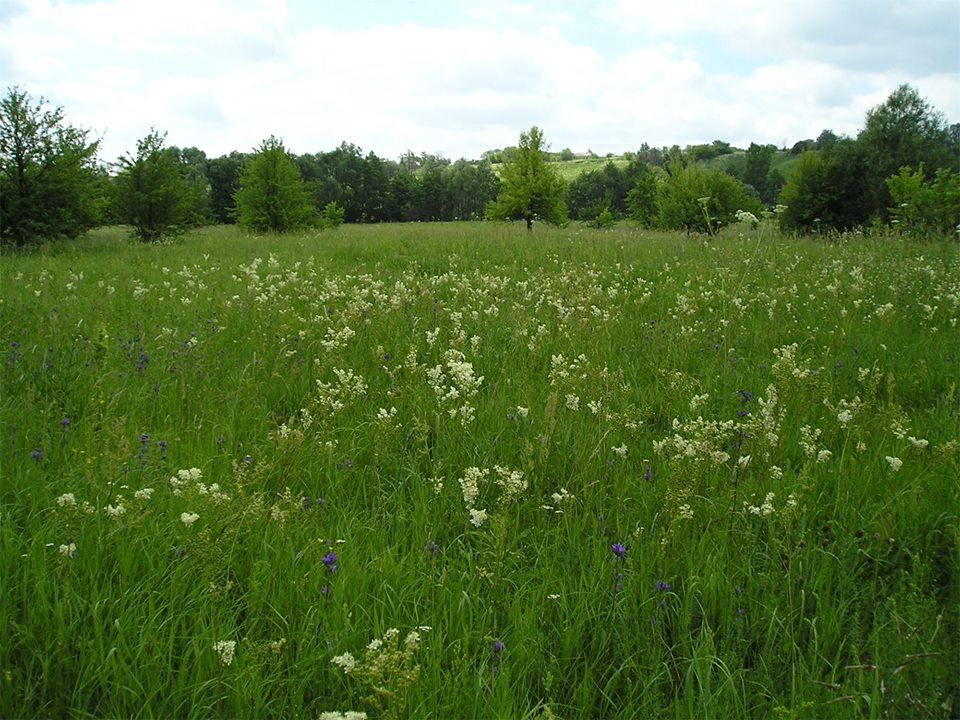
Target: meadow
460, 471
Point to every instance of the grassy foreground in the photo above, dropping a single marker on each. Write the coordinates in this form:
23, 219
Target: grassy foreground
454, 471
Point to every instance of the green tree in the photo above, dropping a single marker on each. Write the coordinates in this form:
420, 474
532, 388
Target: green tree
642, 198
698, 199
50, 183
826, 189
923, 208
757, 169
152, 192
904, 131
272, 196
531, 189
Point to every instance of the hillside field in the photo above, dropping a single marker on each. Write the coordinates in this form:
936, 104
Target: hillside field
459, 471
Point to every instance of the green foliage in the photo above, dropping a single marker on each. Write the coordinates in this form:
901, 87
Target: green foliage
642, 198
924, 209
332, 216
904, 131
604, 219
697, 199
223, 175
827, 189
767, 430
50, 184
531, 189
153, 194
272, 196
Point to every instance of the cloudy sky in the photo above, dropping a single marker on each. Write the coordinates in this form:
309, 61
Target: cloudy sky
457, 77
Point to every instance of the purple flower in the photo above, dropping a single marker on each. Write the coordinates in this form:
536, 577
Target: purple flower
325, 590
431, 548
738, 590
617, 585
36, 454
619, 550
663, 586
330, 560
497, 646
65, 423
647, 472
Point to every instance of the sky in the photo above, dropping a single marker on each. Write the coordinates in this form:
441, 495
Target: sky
459, 77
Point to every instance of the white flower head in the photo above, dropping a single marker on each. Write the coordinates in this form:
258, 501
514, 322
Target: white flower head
895, 463
225, 649
345, 662
189, 518
68, 550
67, 499
477, 517
116, 511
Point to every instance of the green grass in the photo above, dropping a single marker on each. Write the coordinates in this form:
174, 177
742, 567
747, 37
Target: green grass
729, 411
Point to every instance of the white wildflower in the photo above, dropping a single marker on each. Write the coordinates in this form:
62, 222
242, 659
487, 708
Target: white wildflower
66, 499
143, 493
346, 662
116, 511
921, 443
776, 473
68, 550
225, 649
621, 451
189, 518
823, 456
685, 512
895, 463
573, 402
522, 411
477, 517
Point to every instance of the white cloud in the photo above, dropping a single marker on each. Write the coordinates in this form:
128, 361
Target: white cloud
223, 75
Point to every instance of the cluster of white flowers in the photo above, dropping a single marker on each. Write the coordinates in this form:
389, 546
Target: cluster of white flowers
469, 484
697, 401
511, 483
895, 463
225, 649
698, 440
68, 550
478, 516
143, 493
685, 512
808, 441
345, 662
766, 508
336, 339
346, 715
572, 402
67, 500
562, 371
178, 481
456, 387
189, 518
115, 511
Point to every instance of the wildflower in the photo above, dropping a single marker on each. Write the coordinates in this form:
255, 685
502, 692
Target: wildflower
277, 646
572, 402
663, 586
36, 454
68, 550
553, 596
477, 517
188, 518
67, 499
65, 423
685, 512
346, 662
330, 560
619, 550
116, 511
522, 411
225, 649
143, 494
895, 463
348, 715
621, 451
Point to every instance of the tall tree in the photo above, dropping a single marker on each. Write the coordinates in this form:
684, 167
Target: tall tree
904, 131
272, 195
50, 183
531, 189
152, 192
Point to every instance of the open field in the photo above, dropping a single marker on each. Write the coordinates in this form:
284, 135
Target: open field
456, 471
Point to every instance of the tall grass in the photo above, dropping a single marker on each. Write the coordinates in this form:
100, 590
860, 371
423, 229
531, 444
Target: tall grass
581, 473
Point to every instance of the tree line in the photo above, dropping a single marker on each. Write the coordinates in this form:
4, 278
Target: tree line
900, 171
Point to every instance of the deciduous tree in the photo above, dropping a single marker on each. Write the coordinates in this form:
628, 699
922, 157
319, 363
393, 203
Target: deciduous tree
152, 191
50, 183
531, 189
272, 196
